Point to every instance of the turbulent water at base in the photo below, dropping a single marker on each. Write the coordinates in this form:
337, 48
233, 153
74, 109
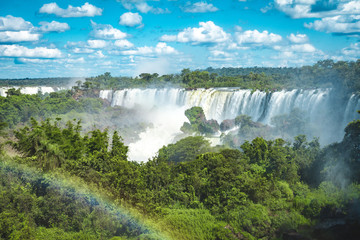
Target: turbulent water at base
30, 90
324, 109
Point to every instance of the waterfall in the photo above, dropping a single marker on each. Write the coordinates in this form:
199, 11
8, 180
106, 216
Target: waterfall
31, 90
226, 103
322, 108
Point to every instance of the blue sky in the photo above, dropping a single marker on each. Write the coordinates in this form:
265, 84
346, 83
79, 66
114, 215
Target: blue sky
127, 37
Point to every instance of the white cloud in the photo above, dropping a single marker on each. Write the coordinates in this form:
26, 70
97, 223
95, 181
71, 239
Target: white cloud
21, 51
307, 48
208, 32
336, 24
298, 38
143, 7
257, 38
97, 55
130, 19
74, 60
41, 60
96, 43
218, 55
53, 27
299, 55
301, 48
86, 10
14, 23
296, 8
124, 44
335, 16
352, 51
20, 36
317, 9
160, 49
82, 50
106, 31
200, 7
267, 8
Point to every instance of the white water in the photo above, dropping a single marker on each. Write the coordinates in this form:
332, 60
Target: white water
30, 90
166, 125
321, 108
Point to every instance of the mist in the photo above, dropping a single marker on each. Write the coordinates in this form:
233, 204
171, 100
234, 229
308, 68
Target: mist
284, 114
151, 118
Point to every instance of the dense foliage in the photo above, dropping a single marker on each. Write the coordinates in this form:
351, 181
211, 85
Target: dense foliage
198, 122
19, 108
257, 189
56, 82
192, 190
327, 73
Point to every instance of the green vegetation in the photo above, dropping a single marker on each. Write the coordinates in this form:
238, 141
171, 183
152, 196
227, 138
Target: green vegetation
55, 82
19, 108
341, 75
198, 122
62, 179
189, 191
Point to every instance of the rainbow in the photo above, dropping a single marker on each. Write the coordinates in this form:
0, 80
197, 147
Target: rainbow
78, 189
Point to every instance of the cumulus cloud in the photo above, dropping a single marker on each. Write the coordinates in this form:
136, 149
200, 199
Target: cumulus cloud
96, 43
143, 7
337, 24
82, 50
106, 31
254, 37
86, 10
98, 54
41, 60
317, 9
130, 19
296, 8
208, 32
298, 54
300, 48
19, 36
53, 27
160, 49
219, 55
298, 38
21, 51
335, 16
124, 44
352, 51
307, 48
10, 23
200, 7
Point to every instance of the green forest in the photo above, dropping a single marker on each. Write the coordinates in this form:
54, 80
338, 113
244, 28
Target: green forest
65, 171
342, 75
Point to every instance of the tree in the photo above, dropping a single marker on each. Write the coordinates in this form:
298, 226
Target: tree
13, 92
184, 150
117, 147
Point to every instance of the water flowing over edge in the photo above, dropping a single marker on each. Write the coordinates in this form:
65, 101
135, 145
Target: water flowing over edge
324, 109
328, 112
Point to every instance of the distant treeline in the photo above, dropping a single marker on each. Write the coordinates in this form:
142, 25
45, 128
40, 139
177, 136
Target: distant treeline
342, 75
57, 82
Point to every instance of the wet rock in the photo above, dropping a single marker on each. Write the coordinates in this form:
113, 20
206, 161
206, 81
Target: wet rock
227, 124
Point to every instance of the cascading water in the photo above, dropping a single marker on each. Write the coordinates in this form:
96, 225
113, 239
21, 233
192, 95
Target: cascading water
31, 90
321, 107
